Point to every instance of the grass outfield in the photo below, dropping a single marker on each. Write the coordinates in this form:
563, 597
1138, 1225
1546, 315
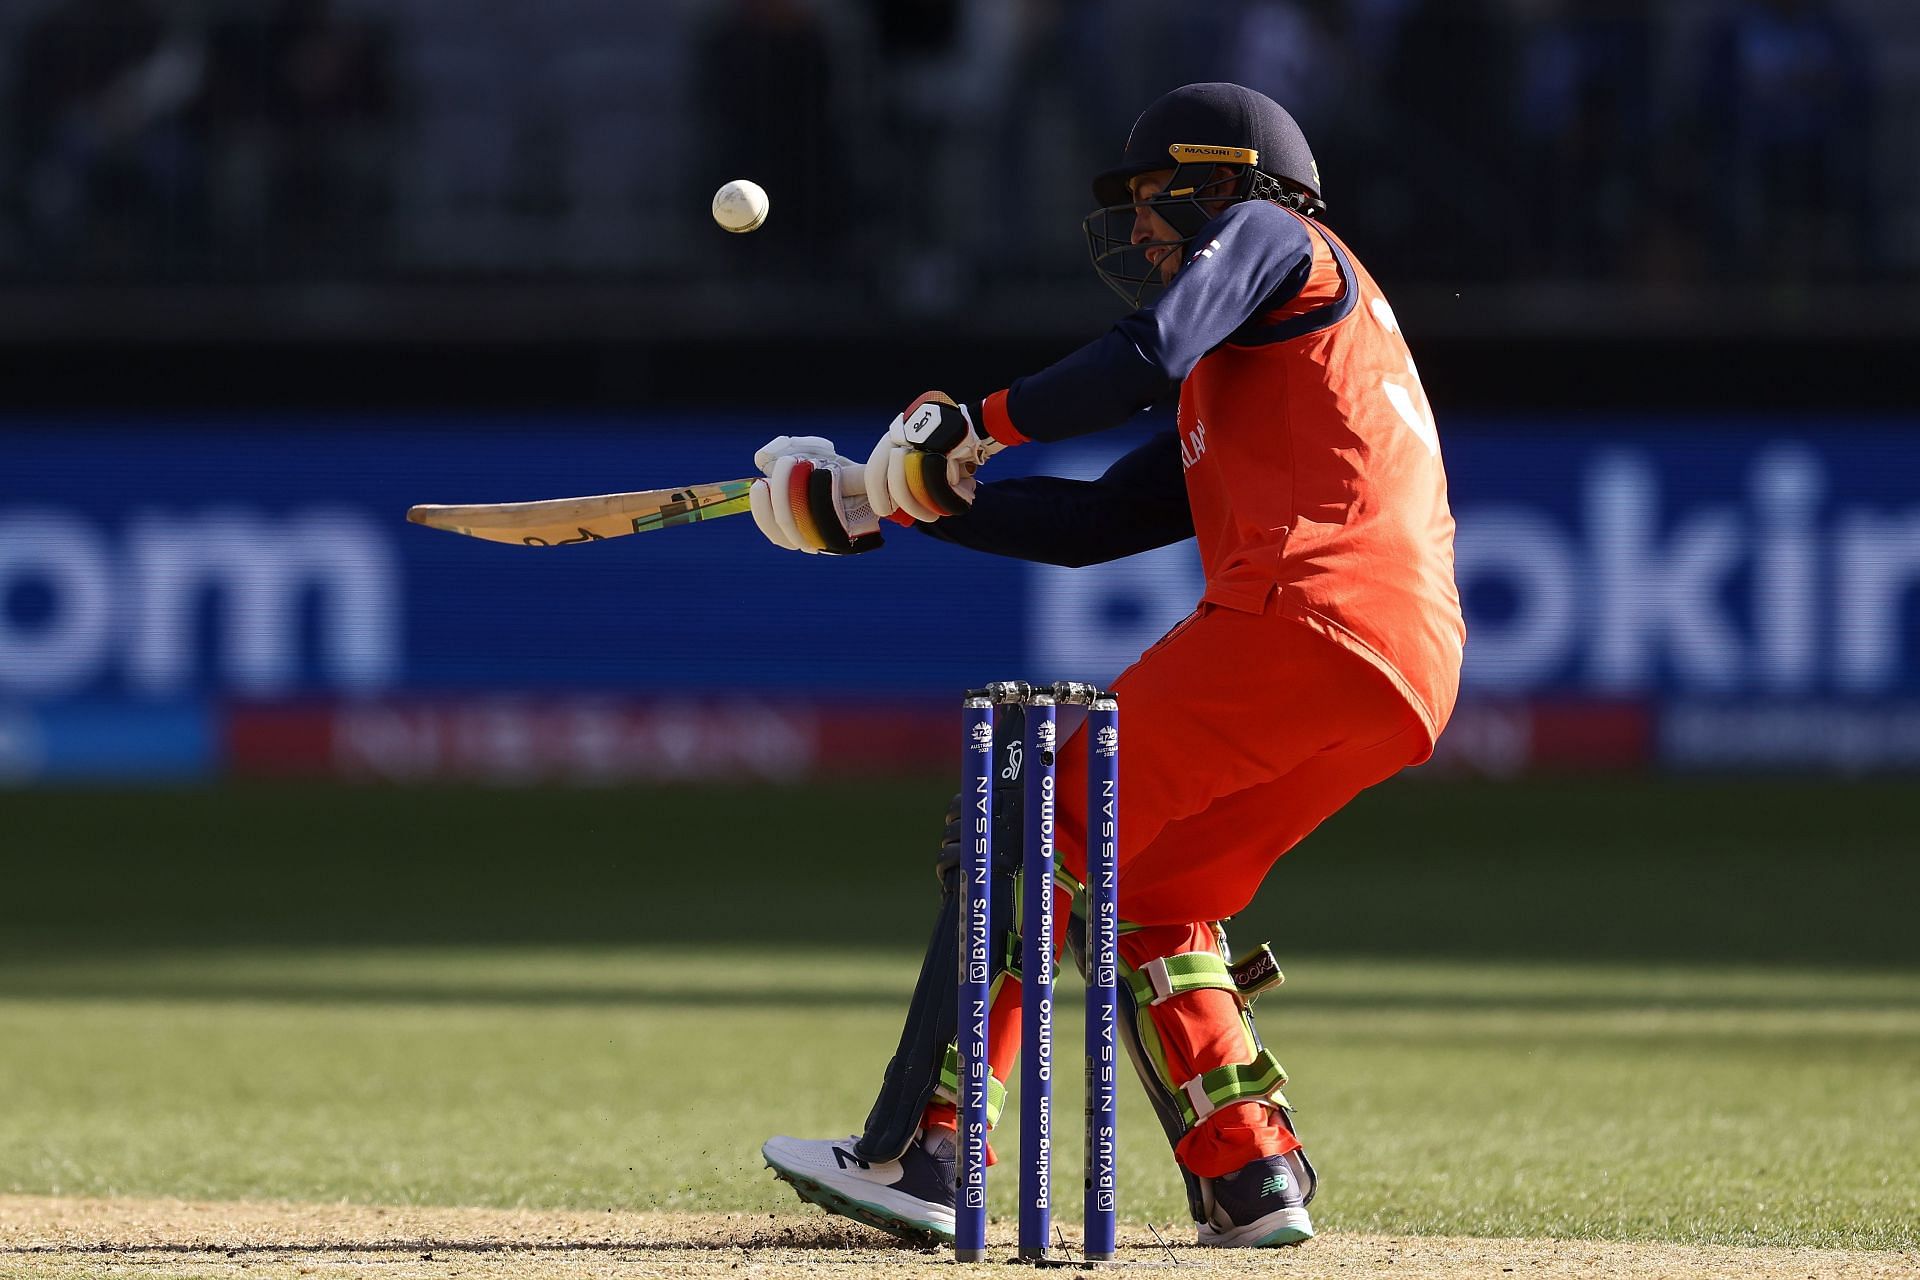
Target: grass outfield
1727, 1106
1682, 1013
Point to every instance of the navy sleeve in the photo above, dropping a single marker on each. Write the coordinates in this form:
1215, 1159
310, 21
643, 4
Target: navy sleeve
1139, 504
1253, 257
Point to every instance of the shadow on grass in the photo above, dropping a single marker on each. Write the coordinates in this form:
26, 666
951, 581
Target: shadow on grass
1904, 998
388, 994
1772, 871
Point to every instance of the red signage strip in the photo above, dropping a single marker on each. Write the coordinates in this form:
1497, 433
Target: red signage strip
515, 740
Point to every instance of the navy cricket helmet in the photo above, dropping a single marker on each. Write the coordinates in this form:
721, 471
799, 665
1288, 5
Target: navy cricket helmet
1192, 131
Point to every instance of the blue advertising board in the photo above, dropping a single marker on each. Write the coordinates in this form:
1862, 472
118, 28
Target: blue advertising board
162, 570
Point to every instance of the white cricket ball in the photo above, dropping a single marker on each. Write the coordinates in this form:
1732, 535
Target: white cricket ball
740, 205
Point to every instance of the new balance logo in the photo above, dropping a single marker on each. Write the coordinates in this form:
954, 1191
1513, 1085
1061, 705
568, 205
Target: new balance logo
1275, 1185
843, 1158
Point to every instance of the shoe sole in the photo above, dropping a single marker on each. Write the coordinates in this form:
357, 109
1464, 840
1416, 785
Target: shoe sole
833, 1200
1279, 1229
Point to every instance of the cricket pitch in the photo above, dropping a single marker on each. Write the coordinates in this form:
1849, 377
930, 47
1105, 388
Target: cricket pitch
61, 1238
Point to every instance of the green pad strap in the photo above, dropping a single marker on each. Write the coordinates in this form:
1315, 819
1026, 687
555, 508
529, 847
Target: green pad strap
1159, 980
1205, 1094
1174, 975
949, 1086
1064, 879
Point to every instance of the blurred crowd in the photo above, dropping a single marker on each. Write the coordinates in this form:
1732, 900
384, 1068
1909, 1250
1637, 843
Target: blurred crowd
934, 148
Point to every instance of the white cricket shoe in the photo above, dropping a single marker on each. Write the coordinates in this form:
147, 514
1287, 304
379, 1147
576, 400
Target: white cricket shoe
911, 1197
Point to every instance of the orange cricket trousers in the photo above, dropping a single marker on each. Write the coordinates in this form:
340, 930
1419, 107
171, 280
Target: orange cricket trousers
1240, 733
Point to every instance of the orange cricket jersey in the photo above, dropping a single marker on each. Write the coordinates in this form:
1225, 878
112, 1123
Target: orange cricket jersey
1313, 468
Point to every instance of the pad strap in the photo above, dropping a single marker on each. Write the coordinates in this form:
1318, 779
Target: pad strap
1163, 979
949, 1087
1012, 963
1262, 1078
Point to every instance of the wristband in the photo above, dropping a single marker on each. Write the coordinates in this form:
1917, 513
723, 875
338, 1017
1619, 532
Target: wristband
993, 419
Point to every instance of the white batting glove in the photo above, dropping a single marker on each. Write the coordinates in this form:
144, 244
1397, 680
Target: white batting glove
924, 462
812, 499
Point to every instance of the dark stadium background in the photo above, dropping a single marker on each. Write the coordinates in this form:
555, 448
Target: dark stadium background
271, 271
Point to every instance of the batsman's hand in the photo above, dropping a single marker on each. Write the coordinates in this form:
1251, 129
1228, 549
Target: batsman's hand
924, 463
812, 499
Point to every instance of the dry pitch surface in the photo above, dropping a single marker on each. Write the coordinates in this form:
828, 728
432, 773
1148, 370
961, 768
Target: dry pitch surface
60, 1237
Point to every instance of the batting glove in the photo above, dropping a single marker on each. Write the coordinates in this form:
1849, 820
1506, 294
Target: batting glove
924, 463
812, 499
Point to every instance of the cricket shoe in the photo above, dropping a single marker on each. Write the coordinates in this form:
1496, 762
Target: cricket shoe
911, 1197
1261, 1205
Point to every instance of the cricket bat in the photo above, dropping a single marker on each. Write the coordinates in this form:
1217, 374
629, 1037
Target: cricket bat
560, 522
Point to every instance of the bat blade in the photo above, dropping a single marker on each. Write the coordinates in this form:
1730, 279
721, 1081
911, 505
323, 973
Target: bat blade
559, 522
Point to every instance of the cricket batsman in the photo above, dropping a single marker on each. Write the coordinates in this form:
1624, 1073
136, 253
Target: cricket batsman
1322, 657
